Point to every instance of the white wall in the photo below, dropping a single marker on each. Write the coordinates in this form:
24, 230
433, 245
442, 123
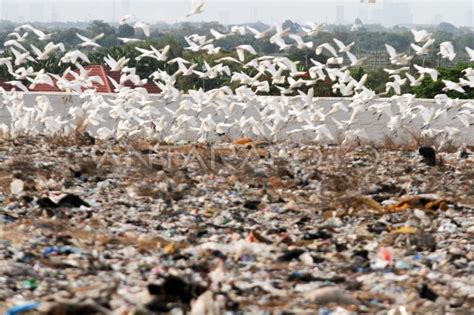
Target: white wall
374, 127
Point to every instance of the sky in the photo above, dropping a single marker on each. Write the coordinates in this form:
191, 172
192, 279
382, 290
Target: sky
386, 12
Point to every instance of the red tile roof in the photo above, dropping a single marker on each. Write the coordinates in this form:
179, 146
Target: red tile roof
94, 70
7, 87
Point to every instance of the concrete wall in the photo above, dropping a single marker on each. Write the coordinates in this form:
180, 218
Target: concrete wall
374, 126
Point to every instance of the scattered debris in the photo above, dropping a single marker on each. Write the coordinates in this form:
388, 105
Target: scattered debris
257, 233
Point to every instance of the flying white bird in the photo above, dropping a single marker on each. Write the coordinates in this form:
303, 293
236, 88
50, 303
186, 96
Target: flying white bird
470, 52
116, 65
21, 58
49, 50
41, 78
6, 61
398, 59
197, 9
423, 50
73, 56
314, 28
241, 49
342, 47
217, 35
41, 35
447, 51
300, 44
328, 47
354, 60
14, 43
396, 71
413, 81
19, 38
144, 27
258, 34
432, 72
90, 42
126, 40
421, 36
19, 85
236, 29
126, 18
453, 86
396, 84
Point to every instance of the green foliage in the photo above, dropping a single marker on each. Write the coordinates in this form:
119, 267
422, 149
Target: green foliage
370, 43
429, 88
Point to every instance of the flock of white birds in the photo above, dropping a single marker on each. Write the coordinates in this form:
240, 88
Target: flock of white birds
131, 112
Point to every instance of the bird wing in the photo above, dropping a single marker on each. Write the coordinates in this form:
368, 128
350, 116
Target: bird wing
98, 37
144, 27
216, 34
36, 50
339, 43
296, 38
83, 38
351, 57
391, 51
470, 52
253, 30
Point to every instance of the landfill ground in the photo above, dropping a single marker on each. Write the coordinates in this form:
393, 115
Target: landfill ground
239, 228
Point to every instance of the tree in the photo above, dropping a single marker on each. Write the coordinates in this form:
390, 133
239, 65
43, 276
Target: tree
126, 30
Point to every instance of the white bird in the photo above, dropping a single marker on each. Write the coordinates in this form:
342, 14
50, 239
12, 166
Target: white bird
153, 53
423, 50
41, 78
241, 49
342, 47
320, 131
398, 59
470, 52
116, 65
396, 84
328, 47
49, 49
73, 56
396, 71
19, 85
337, 107
447, 51
258, 34
105, 133
300, 44
89, 42
413, 81
217, 35
335, 61
281, 44
19, 38
184, 70
314, 28
144, 27
6, 61
432, 72
354, 60
41, 35
21, 58
14, 43
126, 18
421, 36
126, 40
453, 86
236, 29
197, 9
228, 59
23, 73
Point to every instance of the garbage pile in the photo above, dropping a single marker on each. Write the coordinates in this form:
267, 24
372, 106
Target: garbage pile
244, 227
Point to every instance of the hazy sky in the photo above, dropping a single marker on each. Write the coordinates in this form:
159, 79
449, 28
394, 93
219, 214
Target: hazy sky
388, 12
